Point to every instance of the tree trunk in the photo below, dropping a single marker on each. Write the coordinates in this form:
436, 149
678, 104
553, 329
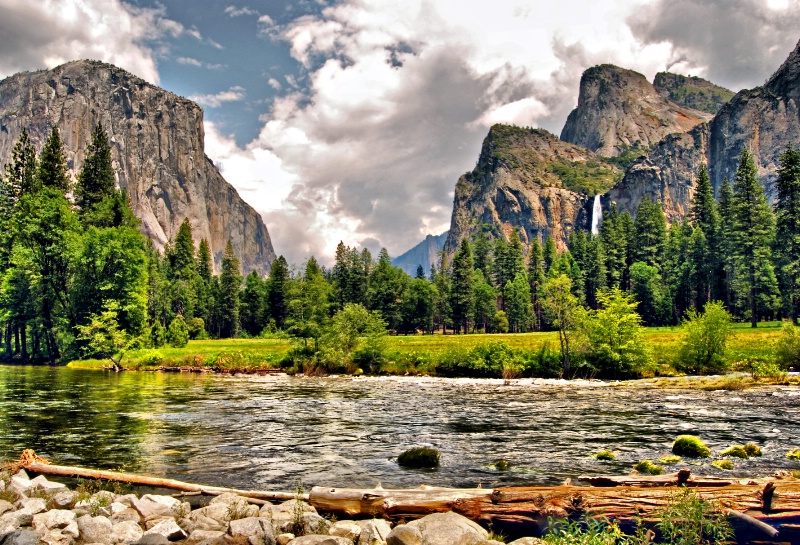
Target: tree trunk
24, 340
16, 338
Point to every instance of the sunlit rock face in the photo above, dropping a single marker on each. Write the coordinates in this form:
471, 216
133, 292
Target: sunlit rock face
157, 144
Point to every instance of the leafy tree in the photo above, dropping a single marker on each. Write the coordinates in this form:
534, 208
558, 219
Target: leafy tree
648, 291
96, 178
104, 337
53, 171
349, 329
705, 340
277, 287
418, 306
387, 286
787, 216
462, 289
561, 308
308, 305
614, 342
753, 230
158, 335
230, 282
178, 332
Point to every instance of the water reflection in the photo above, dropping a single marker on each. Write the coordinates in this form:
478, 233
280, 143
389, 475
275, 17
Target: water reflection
272, 432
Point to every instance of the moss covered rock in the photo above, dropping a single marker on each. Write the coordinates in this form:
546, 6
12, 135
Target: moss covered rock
690, 445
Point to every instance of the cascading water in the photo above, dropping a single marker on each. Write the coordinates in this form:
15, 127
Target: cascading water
597, 215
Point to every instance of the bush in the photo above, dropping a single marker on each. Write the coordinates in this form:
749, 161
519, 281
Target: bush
690, 520
752, 450
605, 455
178, 333
158, 335
690, 445
735, 451
705, 340
197, 328
726, 465
422, 457
787, 348
647, 467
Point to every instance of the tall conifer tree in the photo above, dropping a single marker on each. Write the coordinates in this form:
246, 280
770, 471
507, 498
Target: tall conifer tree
462, 289
787, 211
52, 171
96, 178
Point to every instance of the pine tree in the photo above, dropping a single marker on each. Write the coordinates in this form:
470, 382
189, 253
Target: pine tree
615, 247
787, 212
549, 254
651, 233
277, 291
181, 256
485, 303
230, 281
481, 250
726, 242
52, 171
96, 178
387, 286
462, 290
420, 274
705, 217
536, 280
519, 309
21, 173
753, 233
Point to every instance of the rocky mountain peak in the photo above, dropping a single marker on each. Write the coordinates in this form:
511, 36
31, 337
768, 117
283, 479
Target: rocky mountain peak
157, 148
620, 112
786, 80
692, 92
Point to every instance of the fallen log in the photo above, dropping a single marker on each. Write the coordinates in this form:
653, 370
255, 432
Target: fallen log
30, 462
681, 478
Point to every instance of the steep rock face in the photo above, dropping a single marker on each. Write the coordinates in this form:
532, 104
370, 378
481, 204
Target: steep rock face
157, 144
692, 92
764, 120
530, 180
425, 253
620, 111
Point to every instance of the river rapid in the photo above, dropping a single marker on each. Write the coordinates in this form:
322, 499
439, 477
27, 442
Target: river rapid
274, 432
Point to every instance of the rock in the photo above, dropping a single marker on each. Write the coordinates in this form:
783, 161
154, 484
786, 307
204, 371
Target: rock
404, 534
316, 539
449, 529
31, 506
56, 519
20, 537
426, 253
57, 537
152, 539
155, 521
95, 529
127, 514
5, 507
284, 539
692, 92
207, 537
13, 520
169, 529
287, 509
152, 506
345, 528
157, 146
127, 499
126, 532
528, 541
252, 527
236, 507
219, 512
64, 499
373, 532
198, 521
43, 484
19, 483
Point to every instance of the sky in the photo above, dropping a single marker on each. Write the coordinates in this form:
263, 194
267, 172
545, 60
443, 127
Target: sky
351, 120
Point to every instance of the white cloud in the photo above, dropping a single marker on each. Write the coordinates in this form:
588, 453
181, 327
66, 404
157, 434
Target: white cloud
234, 94
189, 61
47, 33
275, 84
233, 11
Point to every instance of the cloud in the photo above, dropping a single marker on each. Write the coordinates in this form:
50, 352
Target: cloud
233, 11
190, 61
47, 33
734, 43
234, 94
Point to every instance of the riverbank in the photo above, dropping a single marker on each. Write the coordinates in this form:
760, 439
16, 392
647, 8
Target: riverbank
750, 357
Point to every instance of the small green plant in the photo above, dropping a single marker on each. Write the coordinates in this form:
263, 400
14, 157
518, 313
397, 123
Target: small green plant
178, 332
669, 459
647, 467
794, 455
605, 455
787, 348
502, 465
423, 457
735, 451
500, 538
298, 528
690, 445
752, 450
688, 519
726, 465
584, 532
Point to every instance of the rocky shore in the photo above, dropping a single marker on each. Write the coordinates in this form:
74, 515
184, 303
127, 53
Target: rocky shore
39, 511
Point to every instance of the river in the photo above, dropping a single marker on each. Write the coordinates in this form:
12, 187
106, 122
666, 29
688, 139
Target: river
274, 432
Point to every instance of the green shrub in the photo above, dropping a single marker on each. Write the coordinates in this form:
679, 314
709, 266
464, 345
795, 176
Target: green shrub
502, 465
787, 348
605, 455
544, 362
752, 450
794, 454
647, 467
197, 328
158, 335
763, 369
690, 445
422, 457
178, 333
671, 459
727, 465
735, 451
690, 520
149, 358
586, 531
705, 340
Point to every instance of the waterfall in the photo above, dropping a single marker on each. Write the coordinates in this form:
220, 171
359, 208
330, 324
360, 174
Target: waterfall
597, 215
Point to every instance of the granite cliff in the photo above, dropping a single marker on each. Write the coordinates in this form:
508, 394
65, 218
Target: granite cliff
530, 180
157, 145
692, 92
620, 112
765, 120
426, 253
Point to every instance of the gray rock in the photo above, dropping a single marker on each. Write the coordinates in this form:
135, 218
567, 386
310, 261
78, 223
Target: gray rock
152, 539
317, 539
284, 539
126, 532
345, 528
152, 506
449, 529
95, 529
169, 529
310, 523
31, 506
128, 514
259, 531
41, 483
527, 541
404, 534
57, 537
287, 509
227, 507
5, 507
150, 523
197, 521
66, 522
127, 499
20, 484
374, 532
13, 520
64, 499
207, 537
20, 537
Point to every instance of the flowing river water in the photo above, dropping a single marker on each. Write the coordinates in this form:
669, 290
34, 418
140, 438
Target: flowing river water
274, 432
